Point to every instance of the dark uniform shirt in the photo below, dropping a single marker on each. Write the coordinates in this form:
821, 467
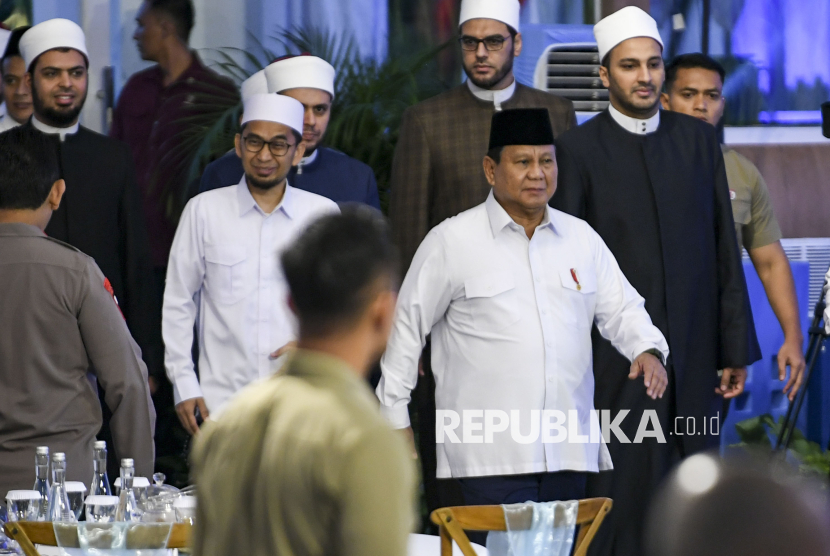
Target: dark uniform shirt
331, 174
153, 120
60, 322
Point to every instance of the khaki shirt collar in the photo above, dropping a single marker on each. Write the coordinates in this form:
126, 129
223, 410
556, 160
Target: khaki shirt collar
19, 229
329, 370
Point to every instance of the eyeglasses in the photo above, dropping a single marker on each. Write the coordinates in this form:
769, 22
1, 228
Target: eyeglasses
491, 43
254, 144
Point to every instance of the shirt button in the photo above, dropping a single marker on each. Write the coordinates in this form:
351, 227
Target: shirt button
544, 311
550, 380
538, 279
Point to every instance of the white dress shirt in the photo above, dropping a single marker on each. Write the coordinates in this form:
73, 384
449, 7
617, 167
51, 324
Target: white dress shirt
7, 123
511, 330
62, 131
490, 95
635, 125
224, 267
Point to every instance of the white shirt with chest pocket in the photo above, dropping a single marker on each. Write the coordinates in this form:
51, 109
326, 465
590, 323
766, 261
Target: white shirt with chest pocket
510, 319
224, 271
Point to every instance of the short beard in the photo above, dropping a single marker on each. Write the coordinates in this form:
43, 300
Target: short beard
489, 83
263, 185
628, 106
53, 117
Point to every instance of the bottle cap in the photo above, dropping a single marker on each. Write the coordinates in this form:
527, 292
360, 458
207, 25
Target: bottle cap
42, 450
58, 456
75, 486
127, 462
100, 445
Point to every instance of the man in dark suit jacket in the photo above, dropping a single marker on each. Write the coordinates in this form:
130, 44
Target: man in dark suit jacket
101, 209
437, 170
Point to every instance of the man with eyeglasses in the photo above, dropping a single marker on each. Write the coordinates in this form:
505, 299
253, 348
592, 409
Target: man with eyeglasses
437, 171
224, 266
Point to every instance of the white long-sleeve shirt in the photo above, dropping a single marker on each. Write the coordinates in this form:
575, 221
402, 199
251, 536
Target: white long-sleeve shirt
224, 267
511, 321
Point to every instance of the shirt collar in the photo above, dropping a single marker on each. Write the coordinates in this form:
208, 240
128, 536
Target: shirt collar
309, 159
20, 229
488, 95
248, 203
62, 131
499, 219
316, 365
634, 125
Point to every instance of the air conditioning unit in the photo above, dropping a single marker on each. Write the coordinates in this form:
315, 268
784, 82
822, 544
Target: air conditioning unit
571, 70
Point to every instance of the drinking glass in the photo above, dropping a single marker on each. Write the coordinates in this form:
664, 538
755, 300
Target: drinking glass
101, 508
185, 509
76, 492
22, 505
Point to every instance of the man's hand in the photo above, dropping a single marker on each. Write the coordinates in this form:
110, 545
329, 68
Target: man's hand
290, 346
791, 355
732, 382
186, 412
410, 440
653, 372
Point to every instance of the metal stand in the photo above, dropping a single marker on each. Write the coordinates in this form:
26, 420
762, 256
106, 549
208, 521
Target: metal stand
817, 336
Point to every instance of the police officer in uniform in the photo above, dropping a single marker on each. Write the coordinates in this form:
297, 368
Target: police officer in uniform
61, 325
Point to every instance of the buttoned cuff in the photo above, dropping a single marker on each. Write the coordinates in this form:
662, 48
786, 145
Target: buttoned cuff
645, 346
186, 388
397, 417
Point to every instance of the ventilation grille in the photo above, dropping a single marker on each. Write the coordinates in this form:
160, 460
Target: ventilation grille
817, 252
573, 73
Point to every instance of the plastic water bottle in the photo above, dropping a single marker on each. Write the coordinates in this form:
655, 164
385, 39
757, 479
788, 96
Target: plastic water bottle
59, 507
127, 506
42, 484
100, 481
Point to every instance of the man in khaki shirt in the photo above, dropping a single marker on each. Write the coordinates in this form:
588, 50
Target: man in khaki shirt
60, 323
302, 463
694, 86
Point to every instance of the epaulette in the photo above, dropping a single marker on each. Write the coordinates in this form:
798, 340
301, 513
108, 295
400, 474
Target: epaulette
63, 243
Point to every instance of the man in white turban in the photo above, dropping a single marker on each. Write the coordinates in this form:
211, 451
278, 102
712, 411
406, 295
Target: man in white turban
653, 185
224, 266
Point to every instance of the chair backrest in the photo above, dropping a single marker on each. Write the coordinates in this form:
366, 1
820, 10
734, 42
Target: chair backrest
453, 521
29, 533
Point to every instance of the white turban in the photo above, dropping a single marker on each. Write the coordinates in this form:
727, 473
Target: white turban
254, 85
279, 109
51, 34
5, 35
506, 11
306, 72
627, 23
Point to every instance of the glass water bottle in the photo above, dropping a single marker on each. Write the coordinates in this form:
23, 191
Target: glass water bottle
42, 484
59, 507
127, 506
100, 481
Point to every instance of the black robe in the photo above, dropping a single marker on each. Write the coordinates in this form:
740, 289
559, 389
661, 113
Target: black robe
100, 214
661, 204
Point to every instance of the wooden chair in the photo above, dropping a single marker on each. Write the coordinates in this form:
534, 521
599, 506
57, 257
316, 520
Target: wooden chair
29, 533
453, 521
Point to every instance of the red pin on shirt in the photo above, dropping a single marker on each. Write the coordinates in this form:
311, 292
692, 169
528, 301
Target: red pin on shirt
108, 287
576, 279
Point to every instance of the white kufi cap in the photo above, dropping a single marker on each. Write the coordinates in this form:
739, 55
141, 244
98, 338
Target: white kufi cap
506, 11
274, 108
627, 23
308, 72
5, 35
51, 34
254, 85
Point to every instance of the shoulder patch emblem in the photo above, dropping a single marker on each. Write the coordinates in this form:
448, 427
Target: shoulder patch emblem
108, 287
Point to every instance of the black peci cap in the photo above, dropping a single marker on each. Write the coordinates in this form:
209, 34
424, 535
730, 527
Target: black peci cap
521, 126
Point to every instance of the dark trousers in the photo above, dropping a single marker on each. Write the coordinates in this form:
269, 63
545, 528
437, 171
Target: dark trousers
515, 489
